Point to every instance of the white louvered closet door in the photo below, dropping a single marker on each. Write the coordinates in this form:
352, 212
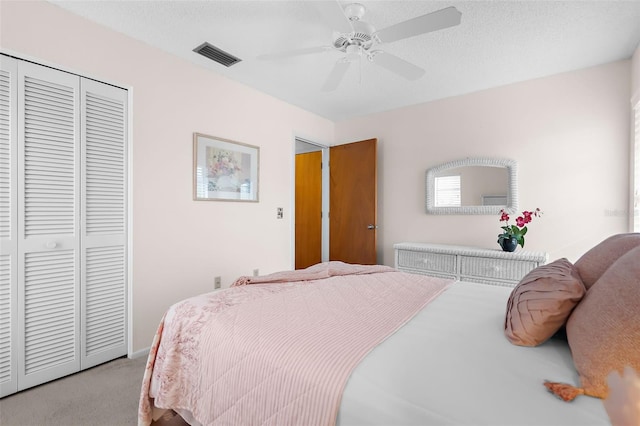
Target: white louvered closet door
63, 224
8, 227
48, 224
104, 223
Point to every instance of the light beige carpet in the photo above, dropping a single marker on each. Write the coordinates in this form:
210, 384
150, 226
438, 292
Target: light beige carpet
107, 394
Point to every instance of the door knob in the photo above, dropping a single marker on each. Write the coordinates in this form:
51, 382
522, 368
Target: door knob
51, 245
372, 226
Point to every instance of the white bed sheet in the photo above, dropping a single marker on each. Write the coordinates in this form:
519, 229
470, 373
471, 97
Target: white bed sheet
452, 365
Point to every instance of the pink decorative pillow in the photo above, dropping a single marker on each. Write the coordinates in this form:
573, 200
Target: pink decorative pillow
593, 263
604, 329
541, 303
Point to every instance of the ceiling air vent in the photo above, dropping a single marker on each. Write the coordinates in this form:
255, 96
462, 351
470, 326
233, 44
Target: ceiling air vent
216, 54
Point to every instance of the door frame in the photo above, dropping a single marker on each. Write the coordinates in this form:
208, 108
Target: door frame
297, 140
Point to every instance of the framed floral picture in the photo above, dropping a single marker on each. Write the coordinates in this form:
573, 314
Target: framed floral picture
224, 170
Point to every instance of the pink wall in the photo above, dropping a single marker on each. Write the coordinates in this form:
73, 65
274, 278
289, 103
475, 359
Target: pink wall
569, 134
179, 245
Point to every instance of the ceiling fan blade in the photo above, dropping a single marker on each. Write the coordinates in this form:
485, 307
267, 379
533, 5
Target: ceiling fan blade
434, 21
295, 52
336, 75
333, 14
398, 66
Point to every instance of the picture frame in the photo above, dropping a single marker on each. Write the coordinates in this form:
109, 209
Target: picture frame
224, 170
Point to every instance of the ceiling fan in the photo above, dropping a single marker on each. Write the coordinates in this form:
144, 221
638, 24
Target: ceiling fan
357, 39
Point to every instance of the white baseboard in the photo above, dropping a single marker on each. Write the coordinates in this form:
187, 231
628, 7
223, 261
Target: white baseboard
140, 353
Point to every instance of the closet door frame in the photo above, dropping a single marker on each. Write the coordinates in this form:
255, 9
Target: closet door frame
8, 238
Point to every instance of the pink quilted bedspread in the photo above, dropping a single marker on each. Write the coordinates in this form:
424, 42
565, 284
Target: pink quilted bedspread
277, 353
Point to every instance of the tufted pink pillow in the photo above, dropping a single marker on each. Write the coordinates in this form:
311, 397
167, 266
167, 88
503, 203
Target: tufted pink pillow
593, 263
604, 329
541, 303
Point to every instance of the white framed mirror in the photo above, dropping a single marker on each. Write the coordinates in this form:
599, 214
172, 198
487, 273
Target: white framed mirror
472, 186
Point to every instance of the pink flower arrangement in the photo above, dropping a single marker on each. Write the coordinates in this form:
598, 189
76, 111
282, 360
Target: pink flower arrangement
518, 230
224, 164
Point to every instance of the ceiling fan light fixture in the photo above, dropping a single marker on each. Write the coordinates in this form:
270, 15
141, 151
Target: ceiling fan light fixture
353, 53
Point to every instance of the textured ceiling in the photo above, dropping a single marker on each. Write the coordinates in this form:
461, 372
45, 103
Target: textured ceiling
496, 43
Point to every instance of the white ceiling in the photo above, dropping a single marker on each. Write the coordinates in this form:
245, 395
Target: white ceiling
496, 43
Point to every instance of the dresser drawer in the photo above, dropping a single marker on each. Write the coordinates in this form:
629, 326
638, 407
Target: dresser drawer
436, 262
486, 267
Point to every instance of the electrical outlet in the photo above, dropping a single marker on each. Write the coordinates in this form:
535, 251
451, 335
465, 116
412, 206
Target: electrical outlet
280, 213
217, 282
256, 272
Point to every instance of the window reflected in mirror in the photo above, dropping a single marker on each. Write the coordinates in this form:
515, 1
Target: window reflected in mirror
447, 190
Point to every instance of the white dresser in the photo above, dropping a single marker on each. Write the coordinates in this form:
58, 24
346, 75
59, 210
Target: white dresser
480, 265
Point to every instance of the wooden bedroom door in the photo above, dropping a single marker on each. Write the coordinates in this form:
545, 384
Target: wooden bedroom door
308, 225
353, 202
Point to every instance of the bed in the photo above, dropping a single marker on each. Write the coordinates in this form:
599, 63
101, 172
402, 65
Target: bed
441, 359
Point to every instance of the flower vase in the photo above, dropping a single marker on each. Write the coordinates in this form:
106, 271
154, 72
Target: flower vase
508, 244
228, 183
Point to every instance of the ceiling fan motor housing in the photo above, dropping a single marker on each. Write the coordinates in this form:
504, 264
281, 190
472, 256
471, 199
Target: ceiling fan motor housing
361, 36
354, 11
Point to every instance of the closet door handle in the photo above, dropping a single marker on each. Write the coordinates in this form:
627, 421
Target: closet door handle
51, 245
